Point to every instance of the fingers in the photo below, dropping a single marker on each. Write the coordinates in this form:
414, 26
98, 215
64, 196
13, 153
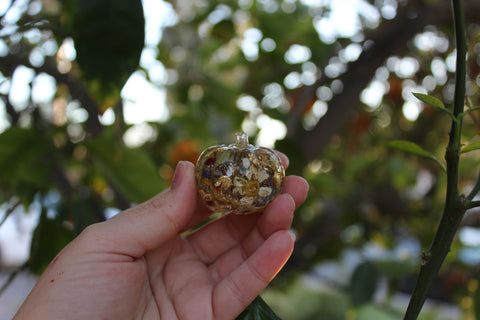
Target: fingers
297, 187
235, 292
235, 236
270, 222
148, 225
223, 234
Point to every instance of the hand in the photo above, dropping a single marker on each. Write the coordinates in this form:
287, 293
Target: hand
138, 265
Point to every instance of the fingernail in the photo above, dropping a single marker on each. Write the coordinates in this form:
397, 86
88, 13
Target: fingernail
178, 175
287, 195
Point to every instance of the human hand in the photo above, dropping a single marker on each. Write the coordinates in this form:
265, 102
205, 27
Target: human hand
137, 265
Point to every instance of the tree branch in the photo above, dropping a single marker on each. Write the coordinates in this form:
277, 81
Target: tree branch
10, 211
76, 88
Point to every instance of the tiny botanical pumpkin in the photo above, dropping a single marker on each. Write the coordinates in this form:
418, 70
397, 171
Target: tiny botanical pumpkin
239, 177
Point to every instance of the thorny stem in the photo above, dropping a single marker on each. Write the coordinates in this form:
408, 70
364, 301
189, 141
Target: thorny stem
455, 205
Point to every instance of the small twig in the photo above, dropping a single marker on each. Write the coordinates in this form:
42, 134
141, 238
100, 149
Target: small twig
475, 190
10, 211
473, 204
12, 277
470, 112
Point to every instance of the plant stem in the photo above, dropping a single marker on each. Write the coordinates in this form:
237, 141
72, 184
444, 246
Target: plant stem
473, 204
461, 71
454, 204
475, 190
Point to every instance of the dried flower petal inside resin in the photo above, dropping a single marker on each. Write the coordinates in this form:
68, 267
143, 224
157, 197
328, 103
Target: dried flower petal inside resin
240, 177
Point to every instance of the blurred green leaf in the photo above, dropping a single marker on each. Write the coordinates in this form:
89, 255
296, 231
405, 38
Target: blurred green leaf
300, 300
258, 310
371, 312
49, 238
132, 171
224, 30
109, 38
67, 17
24, 166
471, 147
363, 283
83, 216
415, 149
396, 269
81, 210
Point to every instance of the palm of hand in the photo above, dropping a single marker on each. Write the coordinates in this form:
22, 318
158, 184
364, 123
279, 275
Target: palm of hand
201, 276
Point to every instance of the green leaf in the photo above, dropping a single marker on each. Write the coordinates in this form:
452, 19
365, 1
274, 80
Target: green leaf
132, 171
24, 164
410, 147
49, 237
396, 269
81, 211
415, 149
433, 102
471, 147
109, 38
363, 283
224, 30
430, 100
258, 310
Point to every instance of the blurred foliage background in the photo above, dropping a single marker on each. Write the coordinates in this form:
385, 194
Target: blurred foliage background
100, 99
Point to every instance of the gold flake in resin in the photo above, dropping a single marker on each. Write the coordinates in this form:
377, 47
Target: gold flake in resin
239, 177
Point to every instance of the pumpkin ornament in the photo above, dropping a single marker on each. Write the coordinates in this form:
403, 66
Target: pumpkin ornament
239, 177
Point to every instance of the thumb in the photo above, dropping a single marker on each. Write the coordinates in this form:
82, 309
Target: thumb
150, 224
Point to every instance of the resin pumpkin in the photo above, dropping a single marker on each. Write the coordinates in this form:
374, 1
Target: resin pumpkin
239, 177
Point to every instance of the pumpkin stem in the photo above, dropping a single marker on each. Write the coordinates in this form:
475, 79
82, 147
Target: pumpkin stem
242, 138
